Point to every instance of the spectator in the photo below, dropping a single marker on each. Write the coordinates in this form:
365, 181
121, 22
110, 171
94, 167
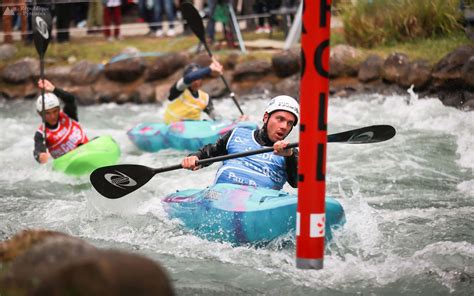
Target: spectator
262, 7
63, 19
112, 12
145, 10
211, 25
94, 16
20, 8
170, 14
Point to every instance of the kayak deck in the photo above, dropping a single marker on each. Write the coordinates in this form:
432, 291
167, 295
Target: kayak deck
99, 152
242, 214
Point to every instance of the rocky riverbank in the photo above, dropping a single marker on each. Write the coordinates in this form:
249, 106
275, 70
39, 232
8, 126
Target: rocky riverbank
138, 79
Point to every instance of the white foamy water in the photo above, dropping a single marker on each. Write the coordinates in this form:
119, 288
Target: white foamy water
408, 201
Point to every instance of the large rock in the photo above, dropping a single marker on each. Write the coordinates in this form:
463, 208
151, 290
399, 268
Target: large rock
343, 61
21, 71
395, 66
84, 73
252, 70
288, 86
286, 63
85, 95
126, 70
164, 66
468, 104
145, 94
215, 88
51, 263
447, 73
231, 61
467, 72
451, 98
58, 75
370, 69
202, 59
419, 75
7, 51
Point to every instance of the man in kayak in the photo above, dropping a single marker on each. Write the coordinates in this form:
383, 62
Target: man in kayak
63, 131
270, 170
187, 99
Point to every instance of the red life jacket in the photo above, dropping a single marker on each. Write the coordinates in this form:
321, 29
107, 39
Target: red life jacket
66, 137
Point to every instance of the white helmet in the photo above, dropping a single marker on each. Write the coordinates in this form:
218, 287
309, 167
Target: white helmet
284, 103
50, 101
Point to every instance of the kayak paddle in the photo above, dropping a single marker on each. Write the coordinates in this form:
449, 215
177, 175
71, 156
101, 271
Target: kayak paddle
41, 20
192, 17
118, 180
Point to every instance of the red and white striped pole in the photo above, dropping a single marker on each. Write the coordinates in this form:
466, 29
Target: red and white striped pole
311, 217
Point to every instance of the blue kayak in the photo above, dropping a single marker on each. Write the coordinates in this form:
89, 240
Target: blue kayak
241, 214
183, 135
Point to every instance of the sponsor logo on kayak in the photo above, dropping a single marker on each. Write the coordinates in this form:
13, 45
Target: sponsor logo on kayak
362, 138
120, 180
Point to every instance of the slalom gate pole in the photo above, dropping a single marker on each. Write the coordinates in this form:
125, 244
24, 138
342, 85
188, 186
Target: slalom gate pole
311, 217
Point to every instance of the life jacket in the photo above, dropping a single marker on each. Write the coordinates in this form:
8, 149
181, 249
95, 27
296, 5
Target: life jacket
66, 137
186, 106
261, 170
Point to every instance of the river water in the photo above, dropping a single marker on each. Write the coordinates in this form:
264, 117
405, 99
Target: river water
409, 203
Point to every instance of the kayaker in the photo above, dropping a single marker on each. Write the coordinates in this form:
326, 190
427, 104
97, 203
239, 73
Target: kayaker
271, 170
63, 131
187, 99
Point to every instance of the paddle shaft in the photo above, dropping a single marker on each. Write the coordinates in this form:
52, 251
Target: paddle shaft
195, 21
221, 158
43, 112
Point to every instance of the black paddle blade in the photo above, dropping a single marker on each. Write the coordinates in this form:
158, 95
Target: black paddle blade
365, 135
192, 17
118, 180
41, 20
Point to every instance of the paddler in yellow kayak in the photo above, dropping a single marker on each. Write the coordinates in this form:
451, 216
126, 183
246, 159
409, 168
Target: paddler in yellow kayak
63, 131
271, 169
186, 97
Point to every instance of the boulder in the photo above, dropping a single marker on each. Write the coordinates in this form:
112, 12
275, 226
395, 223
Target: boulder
202, 59
145, 94
343, 61
419, 75
52, 263
21, 71
370, 69
251, 70
447, 73
58, 75
85, 95
395, 66
126, 70
467, 73
231, 61
215, 88
286, 63
7, 51
84, 73
165, 65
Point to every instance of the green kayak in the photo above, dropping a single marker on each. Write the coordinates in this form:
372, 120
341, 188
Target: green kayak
99, 152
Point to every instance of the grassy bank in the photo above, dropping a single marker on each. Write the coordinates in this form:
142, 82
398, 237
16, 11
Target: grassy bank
97, 50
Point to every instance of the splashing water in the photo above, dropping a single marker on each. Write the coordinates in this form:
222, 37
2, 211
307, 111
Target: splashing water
409, 203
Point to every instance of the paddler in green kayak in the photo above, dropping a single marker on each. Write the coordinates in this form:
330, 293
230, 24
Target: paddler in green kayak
187, 100
270, 170
63, 131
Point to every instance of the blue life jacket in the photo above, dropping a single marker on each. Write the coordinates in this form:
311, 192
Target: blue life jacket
261, 170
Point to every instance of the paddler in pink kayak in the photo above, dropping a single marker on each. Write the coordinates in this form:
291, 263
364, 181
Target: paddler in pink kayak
63, 131
270, 170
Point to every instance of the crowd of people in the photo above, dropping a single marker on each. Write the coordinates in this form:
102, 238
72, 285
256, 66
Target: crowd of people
106, 16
